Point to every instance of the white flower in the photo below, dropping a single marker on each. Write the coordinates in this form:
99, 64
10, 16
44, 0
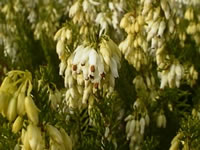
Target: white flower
164, 78
179, 71
94, 3
142, 125
60, 48
77, 54
171, 75
161, 29
62, 67
113, 68
74, 9
86, 5
104, 21
153, 31
93, 58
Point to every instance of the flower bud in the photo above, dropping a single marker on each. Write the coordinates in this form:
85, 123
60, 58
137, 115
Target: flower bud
17, 125
12, 109
128, 126
159, 121
142, 126
153, 31
25, 141
4, 100
161, 29
124, 22
21, 104
66, 139
60, 48
31, 110
54, 133
35, 137
86, 94
6, 83
132, 128
175, 146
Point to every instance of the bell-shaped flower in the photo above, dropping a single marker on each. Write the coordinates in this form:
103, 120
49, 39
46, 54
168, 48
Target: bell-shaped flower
55, 134
31, 110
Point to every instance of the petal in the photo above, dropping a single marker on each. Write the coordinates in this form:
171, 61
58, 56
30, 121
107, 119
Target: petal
77, 54
113, 68
93, 57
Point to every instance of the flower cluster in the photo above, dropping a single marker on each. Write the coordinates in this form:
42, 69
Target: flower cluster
172, 76
32, 138
136, 123
54, 98
88, 69
58, 139
191, 76
176, 142
134, 47
15, 99
161, 120
84, 12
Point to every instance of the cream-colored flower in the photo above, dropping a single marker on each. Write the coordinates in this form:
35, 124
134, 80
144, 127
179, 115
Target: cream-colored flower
31, 110
55, 134
17, 125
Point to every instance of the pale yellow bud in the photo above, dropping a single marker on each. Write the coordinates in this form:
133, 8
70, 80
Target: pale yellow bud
66, 139
142, 125
187, 14
17, 125
153, 31
132, 128
136, 27
21, 104
68, 34
35, 137
12, 109
148, 81
175, 146
177, 137
86, 30
156, 13
25, 141
54, 134
128, 126
106, 52
74, 9
5, 84
31, 110
86, 94
124, 22
60, 48
149, 16
159, 121
4, 100
140, 20
82, 30
58, 34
